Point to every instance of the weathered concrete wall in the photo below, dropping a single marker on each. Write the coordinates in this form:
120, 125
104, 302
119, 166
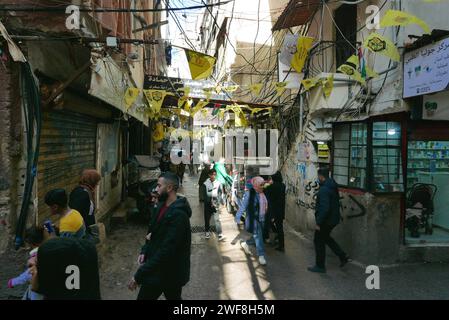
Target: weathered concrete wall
10, 149
371, 224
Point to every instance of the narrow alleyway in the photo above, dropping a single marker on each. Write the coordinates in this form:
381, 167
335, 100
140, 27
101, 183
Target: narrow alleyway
223, 271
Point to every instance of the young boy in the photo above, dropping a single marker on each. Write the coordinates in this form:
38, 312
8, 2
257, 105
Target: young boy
34, 237
212, 200
71, 223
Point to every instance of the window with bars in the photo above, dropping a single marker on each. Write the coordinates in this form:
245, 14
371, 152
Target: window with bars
351, 165
350, 154
387, 164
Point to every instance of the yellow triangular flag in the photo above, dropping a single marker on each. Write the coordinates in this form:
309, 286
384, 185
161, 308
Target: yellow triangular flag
328, 86
381, 45
256, 88
218, 89
256, 110
158, 132
310, 83
350, 68
240, 120
201, 65
280, 88
221, 114
184, 92
200, 105
181, 101
155, 99
401, 18
302, 51
131, 97
231, 89
204, 113
188, 105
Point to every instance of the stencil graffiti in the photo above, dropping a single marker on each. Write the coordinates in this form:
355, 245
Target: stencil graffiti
349, 203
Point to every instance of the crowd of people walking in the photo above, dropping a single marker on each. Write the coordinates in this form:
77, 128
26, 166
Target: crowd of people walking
164, 260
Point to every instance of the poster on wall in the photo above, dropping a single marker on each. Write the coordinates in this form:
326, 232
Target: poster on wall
306, 152
436, 106
426, 70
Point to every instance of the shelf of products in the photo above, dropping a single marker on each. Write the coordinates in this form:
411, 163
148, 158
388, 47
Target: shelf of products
426, 157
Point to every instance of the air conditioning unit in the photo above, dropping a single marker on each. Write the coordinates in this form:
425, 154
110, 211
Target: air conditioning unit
344, 89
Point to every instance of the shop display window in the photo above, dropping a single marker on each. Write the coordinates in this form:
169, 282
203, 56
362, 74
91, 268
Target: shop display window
427, 216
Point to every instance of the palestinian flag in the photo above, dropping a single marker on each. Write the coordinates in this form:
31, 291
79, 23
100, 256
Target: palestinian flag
362, 63
216, 109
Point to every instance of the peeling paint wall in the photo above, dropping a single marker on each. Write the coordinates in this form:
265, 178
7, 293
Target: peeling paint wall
109, 192
10, 150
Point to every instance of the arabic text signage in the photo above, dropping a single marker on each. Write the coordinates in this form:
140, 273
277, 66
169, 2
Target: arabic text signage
172, 84
426, 70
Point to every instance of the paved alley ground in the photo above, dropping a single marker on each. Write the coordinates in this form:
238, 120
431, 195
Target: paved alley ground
223, 271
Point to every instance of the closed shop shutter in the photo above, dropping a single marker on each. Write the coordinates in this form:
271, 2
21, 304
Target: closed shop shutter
68, 146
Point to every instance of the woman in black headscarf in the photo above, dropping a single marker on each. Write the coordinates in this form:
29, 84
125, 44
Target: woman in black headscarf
275, 194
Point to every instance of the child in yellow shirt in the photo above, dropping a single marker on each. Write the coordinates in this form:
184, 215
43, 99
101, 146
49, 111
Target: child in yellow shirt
71, 223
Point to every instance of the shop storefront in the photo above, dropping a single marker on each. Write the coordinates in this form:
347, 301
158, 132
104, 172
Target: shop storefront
428, 182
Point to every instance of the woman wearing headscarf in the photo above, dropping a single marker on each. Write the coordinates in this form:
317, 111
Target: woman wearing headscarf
82, 198
275, 193
255, 204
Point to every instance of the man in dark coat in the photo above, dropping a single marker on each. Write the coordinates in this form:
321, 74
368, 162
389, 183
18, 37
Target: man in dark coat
165, 257
275, 193
327, 214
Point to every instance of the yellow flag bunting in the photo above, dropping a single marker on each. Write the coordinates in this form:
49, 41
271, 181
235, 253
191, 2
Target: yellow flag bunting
350, 68
201, 65
231, 89
310, 83
302, 51
155, 99
280, 88
401, 18
381, 45
328, 86
131, 97
256, 88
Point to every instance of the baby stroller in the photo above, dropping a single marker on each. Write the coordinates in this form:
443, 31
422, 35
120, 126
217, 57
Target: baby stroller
419, 212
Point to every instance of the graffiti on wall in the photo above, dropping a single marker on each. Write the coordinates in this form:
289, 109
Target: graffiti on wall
351, 207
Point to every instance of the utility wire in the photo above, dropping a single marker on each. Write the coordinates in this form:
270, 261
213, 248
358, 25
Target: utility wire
105, 10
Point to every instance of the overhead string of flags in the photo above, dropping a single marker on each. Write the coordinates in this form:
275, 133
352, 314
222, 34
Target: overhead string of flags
202, 65
355, 66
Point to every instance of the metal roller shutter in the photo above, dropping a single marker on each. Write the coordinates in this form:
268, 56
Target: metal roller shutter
68, 146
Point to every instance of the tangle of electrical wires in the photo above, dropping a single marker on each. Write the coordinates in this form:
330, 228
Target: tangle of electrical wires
33, 124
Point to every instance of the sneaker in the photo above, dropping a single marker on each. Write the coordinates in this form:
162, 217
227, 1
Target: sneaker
221, 237
207, 235
262, 261
317, 269
245, 247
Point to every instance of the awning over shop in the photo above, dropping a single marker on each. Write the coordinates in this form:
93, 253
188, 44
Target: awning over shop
296, 13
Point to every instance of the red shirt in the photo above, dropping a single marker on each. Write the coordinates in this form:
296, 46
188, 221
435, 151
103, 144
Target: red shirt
162, 212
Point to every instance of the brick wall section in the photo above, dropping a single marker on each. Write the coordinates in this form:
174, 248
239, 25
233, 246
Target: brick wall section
10, 149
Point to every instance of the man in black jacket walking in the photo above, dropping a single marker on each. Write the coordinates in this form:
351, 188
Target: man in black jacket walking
165, 257
327, 214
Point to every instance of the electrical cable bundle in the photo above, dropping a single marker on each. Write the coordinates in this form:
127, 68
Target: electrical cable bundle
33, 122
